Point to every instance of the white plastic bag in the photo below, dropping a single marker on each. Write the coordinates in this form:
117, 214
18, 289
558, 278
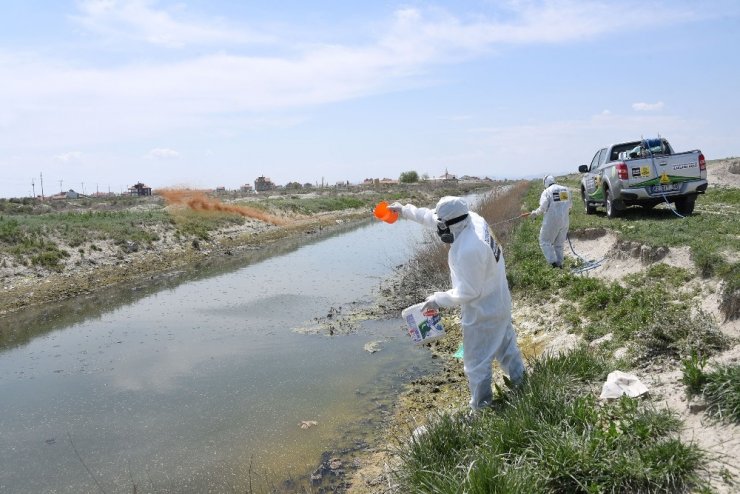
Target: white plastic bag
422, 329
620, 383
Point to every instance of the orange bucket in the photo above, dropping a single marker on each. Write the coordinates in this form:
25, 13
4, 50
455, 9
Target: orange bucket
383, 213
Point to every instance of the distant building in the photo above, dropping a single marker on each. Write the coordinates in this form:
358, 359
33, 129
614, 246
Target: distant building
263, 183
446, 177
220, 189
140, 189
246, 188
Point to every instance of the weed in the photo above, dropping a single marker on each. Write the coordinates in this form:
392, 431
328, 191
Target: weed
722, 393
693, 374
552, 435
676, 332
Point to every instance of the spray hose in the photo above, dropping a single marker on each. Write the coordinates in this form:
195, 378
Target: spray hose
587, 265
523, 215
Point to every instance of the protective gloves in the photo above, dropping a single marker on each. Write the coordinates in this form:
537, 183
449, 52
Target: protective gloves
396, 207
533, 213
430, 305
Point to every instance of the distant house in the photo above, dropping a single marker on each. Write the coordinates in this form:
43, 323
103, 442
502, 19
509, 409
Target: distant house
220, 189
246, 188
447, 177
263, 183
140, 189
71, 194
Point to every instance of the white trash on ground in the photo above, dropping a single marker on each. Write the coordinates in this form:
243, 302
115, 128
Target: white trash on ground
620, 383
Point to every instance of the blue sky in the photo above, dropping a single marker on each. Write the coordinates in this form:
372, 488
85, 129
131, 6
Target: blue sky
202, 94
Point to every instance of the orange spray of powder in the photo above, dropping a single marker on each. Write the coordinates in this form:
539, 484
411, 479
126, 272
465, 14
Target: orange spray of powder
198, 201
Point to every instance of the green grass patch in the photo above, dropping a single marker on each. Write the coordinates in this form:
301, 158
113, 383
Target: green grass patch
553, 435
319, 204
720, 389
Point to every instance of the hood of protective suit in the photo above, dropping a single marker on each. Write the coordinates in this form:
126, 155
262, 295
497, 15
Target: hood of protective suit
450, 207
548, 181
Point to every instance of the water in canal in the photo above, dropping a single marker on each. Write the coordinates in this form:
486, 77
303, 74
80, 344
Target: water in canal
202, 386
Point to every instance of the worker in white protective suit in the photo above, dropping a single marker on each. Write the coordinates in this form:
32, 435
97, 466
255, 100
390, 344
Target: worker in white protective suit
479, 286
555, 205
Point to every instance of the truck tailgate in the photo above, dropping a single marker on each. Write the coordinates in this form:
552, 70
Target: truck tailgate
664, 173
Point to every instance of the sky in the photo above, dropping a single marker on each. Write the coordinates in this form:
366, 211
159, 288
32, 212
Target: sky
97, 95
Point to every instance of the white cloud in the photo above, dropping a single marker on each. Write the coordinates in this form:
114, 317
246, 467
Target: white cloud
70, 156
647, 106
163, 153
142, 21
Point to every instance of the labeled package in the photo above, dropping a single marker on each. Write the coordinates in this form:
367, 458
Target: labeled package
422, 327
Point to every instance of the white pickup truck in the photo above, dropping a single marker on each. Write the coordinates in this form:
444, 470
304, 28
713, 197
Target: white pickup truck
645, 173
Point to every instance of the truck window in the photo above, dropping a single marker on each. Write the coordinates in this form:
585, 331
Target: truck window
594, 162
602, 156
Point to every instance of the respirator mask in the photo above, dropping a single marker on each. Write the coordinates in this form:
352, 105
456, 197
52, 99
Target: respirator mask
443, 228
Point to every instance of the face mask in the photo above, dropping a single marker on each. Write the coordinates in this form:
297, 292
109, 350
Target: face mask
443, 228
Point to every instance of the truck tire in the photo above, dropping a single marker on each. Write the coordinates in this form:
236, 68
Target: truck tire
587, 206
611, 207
685, 205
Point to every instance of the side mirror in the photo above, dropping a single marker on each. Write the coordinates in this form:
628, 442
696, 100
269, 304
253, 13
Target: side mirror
583, 168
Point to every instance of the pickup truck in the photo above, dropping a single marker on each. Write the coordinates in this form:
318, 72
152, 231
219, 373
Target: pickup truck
645, 173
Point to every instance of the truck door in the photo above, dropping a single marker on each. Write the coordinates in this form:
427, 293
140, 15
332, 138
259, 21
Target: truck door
593, 177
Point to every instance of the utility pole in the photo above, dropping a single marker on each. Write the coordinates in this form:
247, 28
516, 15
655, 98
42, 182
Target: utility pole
83, 188
60, 186
33, 187
41, 176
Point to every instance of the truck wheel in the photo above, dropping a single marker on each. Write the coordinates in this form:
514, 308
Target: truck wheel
587, 207
685, 205
611, 209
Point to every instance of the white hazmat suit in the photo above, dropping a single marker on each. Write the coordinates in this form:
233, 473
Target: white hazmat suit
555, 205
479, 286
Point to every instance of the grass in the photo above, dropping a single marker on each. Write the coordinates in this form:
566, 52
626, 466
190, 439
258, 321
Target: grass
720, 389
553, 435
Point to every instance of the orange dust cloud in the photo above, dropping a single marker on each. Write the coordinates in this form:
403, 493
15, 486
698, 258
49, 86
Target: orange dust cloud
199, 201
